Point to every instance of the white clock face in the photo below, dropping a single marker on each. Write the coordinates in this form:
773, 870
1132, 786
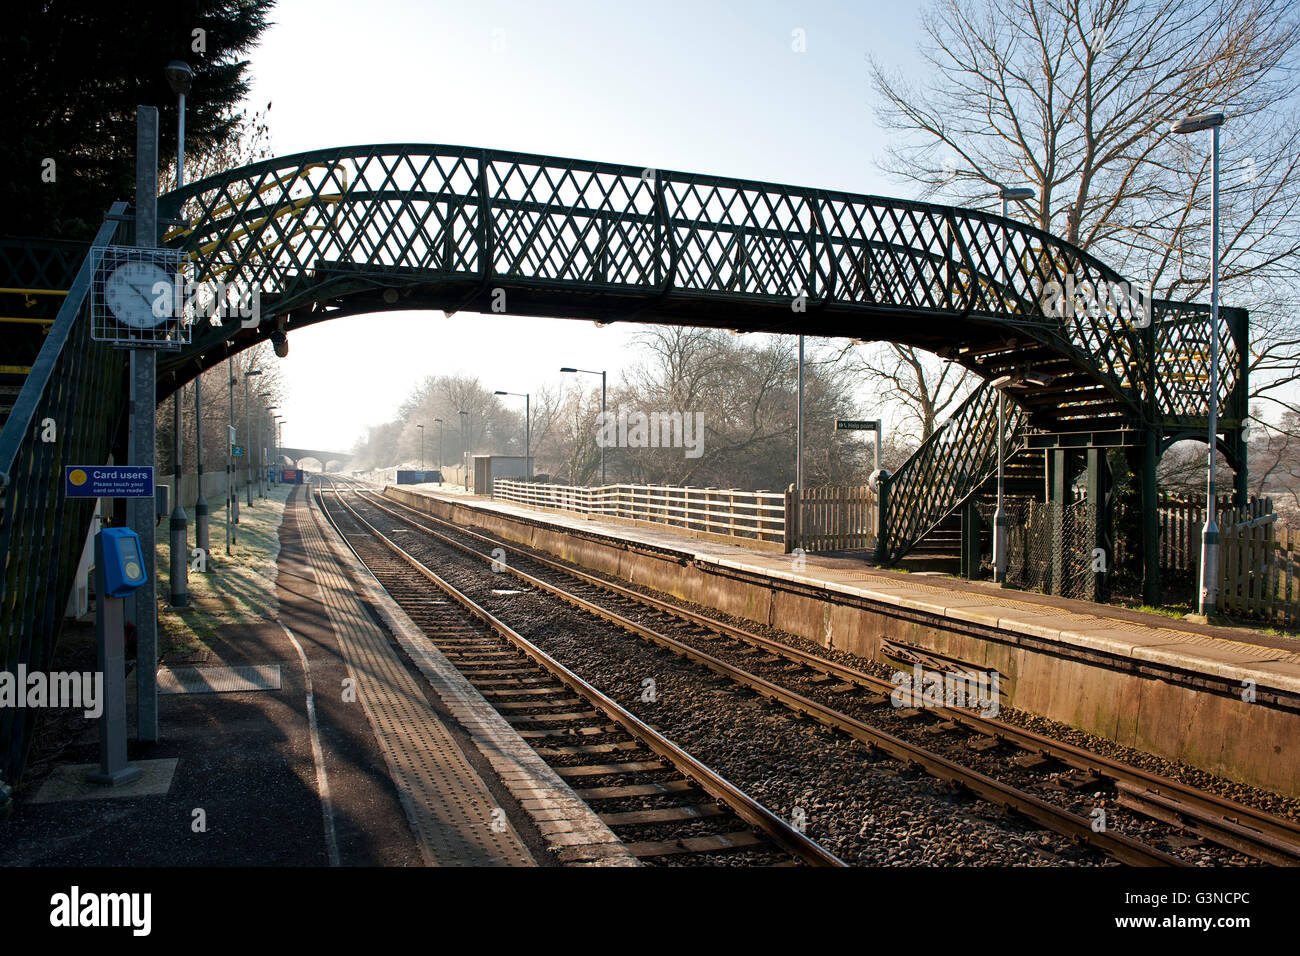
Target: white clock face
131, 295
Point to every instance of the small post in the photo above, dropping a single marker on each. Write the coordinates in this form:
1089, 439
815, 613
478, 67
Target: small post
882, 519
110, 641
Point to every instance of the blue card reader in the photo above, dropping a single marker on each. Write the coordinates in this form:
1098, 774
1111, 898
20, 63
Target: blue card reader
123, 563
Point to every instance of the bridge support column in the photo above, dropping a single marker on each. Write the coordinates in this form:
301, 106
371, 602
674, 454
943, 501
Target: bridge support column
1151, 591
1103, 554
1058, 480
971, 526
1241, 473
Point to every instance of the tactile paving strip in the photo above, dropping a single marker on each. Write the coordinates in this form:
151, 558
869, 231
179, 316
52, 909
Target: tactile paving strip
570, 827
218, 679
449, 807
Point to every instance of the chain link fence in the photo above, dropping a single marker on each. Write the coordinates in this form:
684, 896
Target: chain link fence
1036, 531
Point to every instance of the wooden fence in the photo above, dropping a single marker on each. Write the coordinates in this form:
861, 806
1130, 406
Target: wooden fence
1259, 570
1181, 521
833, 518
756, 515
816, 519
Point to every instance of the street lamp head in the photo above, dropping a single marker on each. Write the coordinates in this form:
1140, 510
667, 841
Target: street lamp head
499, 392
1194, 124
1020, 192
568, 370
437, 419
179, 77
251, 374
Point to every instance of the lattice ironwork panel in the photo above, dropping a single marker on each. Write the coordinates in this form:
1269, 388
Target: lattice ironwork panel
77, 384
1181, 372
39, 263
948, 468
306, 228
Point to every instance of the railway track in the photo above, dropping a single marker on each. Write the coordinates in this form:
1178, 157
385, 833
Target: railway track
666, 806
1196, 814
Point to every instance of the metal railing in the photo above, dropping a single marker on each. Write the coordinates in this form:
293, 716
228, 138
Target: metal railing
950, 465
67, 413
448, 226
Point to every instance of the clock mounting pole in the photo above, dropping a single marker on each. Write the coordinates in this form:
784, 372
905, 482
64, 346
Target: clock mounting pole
144, 403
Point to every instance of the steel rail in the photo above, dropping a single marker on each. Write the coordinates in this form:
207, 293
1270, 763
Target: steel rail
1117, 845
1231, 824
743, 805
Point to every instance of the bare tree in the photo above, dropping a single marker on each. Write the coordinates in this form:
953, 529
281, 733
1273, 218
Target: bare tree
1075, 97
251, 142
1275, 465
917, 386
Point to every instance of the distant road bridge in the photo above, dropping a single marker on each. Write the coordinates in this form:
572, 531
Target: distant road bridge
324, 457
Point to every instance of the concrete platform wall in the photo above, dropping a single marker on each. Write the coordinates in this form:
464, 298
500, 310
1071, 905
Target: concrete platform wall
1190, 716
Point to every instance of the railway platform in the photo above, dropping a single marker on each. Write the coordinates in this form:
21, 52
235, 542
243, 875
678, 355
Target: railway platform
1223, 699
334, 735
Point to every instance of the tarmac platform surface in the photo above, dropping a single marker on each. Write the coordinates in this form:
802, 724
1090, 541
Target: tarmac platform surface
335, 735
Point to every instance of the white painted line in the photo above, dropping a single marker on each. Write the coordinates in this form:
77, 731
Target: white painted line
322, 782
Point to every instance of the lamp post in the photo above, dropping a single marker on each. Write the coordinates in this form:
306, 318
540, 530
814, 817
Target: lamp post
798, 426
439, 421
278, 431
584, 371
248, 428
528, 429
261, 446
232, 491
421, 427
1000, 515
1210, 533
269, 445
179, 76
464, 446
202, 536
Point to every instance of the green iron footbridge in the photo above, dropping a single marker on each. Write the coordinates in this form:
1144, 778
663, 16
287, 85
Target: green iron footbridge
368, 229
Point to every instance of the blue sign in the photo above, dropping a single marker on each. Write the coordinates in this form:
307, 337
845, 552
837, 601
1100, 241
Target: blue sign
108, 481
237, 451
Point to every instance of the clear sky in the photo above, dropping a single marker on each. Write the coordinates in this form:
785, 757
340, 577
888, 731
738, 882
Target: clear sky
704, 86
